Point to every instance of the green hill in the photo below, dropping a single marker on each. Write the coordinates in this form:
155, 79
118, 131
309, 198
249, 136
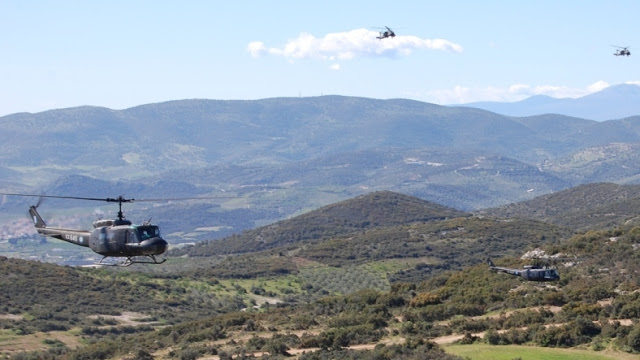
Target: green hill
377, 209
377, 227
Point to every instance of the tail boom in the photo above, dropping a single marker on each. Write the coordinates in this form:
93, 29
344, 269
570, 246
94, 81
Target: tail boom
77, 237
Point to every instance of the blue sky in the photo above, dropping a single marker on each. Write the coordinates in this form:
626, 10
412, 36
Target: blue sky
119, 54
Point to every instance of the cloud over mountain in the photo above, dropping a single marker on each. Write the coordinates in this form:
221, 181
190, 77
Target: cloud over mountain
515, 92
350, 45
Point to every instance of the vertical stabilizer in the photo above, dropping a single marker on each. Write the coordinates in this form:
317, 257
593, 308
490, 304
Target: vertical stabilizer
36, 218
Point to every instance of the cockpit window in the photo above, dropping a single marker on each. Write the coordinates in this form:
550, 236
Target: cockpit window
147, 232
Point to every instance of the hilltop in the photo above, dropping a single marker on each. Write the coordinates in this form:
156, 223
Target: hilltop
374, 210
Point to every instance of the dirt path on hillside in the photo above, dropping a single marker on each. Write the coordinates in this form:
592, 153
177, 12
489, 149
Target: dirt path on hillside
36, 341
127, 318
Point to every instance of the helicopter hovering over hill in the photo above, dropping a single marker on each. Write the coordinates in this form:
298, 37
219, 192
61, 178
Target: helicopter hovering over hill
622, 51
529, 272
385, 34
110, 238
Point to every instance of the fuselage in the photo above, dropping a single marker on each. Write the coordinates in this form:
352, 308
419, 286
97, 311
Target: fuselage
127, 240
531, 274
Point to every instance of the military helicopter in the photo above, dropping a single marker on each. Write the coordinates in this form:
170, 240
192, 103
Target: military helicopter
385, 34
110, 238
622, 51
529, 272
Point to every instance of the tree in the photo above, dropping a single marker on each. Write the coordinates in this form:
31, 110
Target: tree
633, 339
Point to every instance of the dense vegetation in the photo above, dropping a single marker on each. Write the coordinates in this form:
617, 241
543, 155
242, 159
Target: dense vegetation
368, 229
596, 293
389, 290
49, 297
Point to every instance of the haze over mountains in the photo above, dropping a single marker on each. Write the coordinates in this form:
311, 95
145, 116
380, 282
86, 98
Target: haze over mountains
614, 102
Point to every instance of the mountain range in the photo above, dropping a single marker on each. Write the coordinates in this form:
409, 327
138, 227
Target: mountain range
614, 102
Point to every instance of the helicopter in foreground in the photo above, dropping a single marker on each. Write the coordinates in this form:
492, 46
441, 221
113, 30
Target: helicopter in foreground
529, 272
110, 238
385, 34
622, 51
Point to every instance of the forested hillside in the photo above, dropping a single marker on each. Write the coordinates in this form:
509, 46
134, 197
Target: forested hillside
374, 210
386, 276
590, 206
381, 226
592, 305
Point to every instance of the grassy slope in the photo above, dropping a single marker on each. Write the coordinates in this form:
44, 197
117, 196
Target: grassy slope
510, 352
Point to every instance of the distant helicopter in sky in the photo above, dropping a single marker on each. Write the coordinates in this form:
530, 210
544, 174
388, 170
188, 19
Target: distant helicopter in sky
529, 272
385, 34
622, 51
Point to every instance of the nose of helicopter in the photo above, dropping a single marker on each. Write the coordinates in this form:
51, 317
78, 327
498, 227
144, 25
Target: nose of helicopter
153, 246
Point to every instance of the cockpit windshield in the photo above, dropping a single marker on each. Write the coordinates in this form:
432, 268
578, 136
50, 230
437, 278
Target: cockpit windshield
145, 232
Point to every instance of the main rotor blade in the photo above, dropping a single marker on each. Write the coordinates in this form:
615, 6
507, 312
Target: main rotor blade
187, 198
122, 199
73, 197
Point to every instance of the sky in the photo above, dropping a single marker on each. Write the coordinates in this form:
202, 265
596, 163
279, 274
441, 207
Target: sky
120, 54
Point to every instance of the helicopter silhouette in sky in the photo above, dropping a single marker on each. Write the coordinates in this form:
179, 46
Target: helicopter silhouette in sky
386, 34
622, 51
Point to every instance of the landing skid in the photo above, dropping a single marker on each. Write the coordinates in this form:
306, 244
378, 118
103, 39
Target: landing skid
131, 260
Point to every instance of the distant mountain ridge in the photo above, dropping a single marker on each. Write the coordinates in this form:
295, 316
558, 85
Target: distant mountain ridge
614, 102
121, 144
195, 133
280, 157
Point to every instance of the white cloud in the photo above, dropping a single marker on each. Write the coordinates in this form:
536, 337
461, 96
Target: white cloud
256, 48
516, 92
350, 45
597, 86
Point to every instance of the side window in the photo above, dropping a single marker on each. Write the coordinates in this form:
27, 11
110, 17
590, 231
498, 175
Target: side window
131, 236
